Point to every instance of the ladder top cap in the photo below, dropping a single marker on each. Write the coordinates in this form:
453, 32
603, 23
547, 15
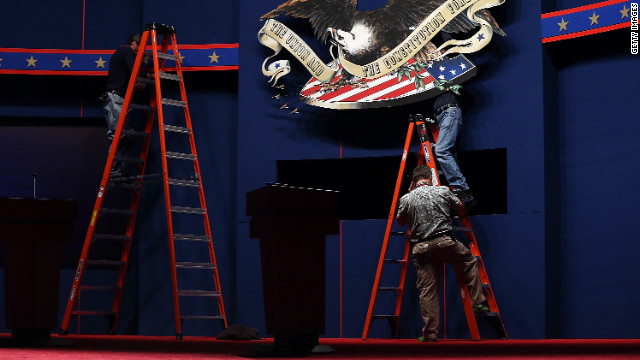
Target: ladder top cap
161, 28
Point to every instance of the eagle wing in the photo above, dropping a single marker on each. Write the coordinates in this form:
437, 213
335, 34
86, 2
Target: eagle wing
322, 14
411, 12
407, 14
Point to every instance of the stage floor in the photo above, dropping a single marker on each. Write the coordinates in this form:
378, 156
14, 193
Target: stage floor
154, 347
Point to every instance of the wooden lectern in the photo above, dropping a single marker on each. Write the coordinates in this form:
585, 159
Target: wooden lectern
292, 224
33, 231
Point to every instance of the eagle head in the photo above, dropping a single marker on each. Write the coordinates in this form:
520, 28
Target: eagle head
360, 39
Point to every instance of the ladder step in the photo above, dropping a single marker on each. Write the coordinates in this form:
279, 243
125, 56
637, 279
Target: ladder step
105, 262
92, 312
183, 156
198, 293
394, 261
487, 314
384, 316
403, 233
123, 183
187, 210
129, 159
205, 317
97, 287
169, 76
117, 211
462, 229
190, 237
141, 107
145, 80
194, 265
174, 102
388, 288
110, 237
135, 133
167, 56
177, 129
179, 182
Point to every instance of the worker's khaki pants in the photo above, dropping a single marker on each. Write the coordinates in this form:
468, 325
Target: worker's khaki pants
429, 258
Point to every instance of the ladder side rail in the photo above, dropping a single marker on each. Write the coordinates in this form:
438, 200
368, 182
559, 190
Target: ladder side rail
103, 186
390, 220
196, 166
144, 152
466, 303
165, 181
462, 287
484, 278
403, 278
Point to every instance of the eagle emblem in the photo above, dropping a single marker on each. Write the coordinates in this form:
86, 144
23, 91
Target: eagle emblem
382, 51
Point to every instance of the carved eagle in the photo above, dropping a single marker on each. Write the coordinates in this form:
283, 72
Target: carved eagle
367, 35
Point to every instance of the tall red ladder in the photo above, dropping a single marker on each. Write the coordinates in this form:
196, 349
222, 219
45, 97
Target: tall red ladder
425, 155
132, 185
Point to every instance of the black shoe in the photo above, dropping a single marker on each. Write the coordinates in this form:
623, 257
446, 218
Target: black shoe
466, 197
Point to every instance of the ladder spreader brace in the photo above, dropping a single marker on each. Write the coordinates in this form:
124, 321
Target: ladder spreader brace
427, 127
133, 185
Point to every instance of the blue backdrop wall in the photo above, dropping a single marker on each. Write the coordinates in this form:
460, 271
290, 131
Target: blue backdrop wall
559, 257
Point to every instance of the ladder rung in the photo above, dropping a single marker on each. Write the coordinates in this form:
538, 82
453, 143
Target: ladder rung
388, 288
399, 233
105, 262
394, 261
179, 182
174, 102
140, 107
97, 287
205, 317
198, 293
117, 211
175, 155
123, 183
145, 80
168, 76
129, 159
488, 314
461, 228
135, 133
93, 312
190, 237
194, 265
177, 129
187, 210
111, 237
383, 316
167, 56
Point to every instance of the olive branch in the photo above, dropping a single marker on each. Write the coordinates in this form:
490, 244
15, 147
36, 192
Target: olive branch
418, 81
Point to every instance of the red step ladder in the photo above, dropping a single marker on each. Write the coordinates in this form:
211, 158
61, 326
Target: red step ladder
426, 127
120, 197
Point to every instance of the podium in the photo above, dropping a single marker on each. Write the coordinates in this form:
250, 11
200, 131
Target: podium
292, 224
33, 231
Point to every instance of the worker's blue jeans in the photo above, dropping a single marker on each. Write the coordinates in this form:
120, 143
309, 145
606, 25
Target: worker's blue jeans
112, 108
449, 124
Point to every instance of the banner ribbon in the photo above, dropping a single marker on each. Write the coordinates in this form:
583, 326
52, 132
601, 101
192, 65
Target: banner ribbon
277, 36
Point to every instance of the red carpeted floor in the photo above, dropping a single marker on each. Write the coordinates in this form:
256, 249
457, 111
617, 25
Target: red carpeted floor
95, 347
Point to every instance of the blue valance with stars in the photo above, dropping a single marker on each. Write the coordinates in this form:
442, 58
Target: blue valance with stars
586, 20
96, 62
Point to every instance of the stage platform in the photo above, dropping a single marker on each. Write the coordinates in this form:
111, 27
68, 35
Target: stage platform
153, 347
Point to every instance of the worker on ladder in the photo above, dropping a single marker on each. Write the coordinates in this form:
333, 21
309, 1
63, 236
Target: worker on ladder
120, 67
426, 209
